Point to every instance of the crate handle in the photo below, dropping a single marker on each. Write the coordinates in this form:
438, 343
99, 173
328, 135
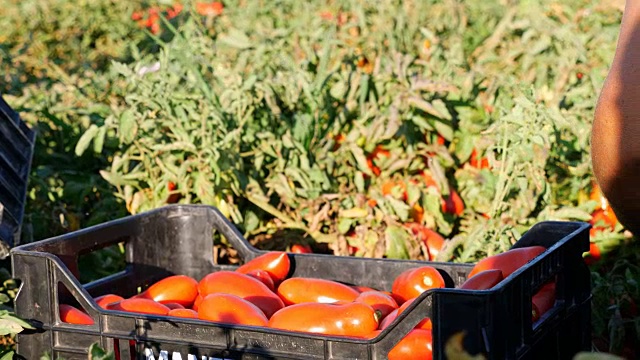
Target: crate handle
232, 234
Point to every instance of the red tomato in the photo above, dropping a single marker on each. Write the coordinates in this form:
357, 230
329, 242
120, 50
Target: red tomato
354, 319
388, 186
107, 299
376, 153
453, 204
173, 306
378, 301
428, 179
264, 277
387, 320
171, 186
179, 289
303, 290
183, 313
482, 163
418, 344
430, 238
136, 16
416, 213
483, 280
508, 261
244, 286
606, 217
197, 302
139, 305
544, 299
73, 315
230, 309
413, 282
301, 249
594, 254
424, 324
209, 8
276, 263
362, 289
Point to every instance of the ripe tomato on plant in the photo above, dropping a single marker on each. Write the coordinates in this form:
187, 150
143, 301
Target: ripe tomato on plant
432, 240
453, 203
352, 319
378, 152
594, 254
603, 216
428, 179
476, 162
213, 8
606, 217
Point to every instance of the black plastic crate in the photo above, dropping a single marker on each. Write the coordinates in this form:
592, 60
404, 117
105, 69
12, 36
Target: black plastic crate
16, 152
177, 239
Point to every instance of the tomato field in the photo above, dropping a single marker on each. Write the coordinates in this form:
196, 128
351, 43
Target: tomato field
415, 129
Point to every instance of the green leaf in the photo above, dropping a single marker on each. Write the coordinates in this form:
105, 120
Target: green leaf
397, 239
4, 298
98, 353
399, 207
359, 181
344, 224
85, 139
98, 141
251, 221
7, 355
236, 38
19, 321
127, 128
8, 326
354, 213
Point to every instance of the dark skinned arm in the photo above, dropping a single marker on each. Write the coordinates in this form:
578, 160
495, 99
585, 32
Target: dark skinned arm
615, 137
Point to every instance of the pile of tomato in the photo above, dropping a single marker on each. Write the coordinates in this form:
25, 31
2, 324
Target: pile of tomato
261, 293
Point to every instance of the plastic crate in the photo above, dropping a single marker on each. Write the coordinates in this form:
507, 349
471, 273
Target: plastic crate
178, 240
16, 152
